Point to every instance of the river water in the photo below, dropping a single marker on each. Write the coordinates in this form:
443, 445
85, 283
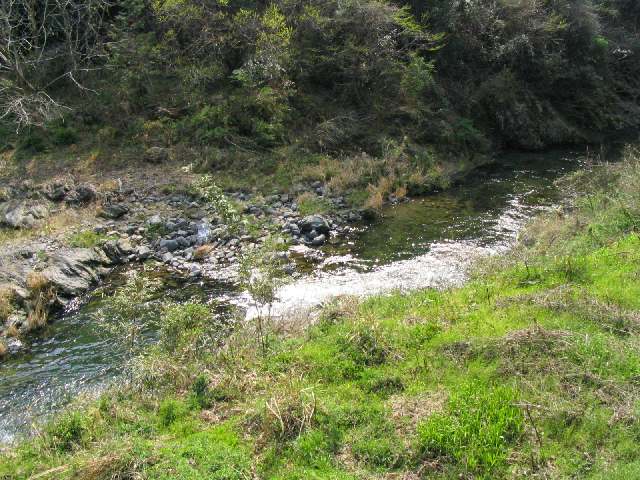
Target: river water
427, 242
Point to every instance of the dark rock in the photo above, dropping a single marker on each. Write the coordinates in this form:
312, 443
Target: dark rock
113, 211
170, 244
83, 193
56, 191
314, 222
319, 240
182, 242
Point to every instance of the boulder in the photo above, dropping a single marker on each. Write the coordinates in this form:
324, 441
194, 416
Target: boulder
169, 244
83, 193
118, 251
56, 191
22, 214
144, 252
319, 240
113, 211
74, 271
314, 222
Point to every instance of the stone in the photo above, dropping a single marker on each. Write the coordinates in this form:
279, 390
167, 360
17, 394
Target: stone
170, 244
113, 211
319, 240
56, 191
144, 252
167, 257
83, 193
182, 242
22, 214
155, 220
314, 222
73, 271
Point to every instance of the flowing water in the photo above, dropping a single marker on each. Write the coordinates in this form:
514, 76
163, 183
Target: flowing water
427, 242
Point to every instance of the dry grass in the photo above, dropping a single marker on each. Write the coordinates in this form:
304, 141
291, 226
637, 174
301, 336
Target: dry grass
287, 413
3, 348
40, 296
6, 303
408, 411
202, 252
12, 332
36, 281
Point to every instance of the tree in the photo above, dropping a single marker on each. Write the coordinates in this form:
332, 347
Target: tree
43, 43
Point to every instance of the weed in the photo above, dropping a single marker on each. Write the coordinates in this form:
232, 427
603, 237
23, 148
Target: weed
287, 414
310, 204
478, 428
365, 345
87, 239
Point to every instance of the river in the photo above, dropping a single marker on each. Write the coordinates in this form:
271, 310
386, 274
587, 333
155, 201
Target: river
426, 242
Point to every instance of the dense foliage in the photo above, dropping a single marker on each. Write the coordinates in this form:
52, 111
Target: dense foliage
329, 76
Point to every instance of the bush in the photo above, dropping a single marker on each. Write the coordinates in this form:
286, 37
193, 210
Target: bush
67, 431
188, 329
169, 411
63, 135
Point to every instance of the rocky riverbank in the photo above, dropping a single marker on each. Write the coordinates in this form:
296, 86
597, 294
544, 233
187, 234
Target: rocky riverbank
41, 271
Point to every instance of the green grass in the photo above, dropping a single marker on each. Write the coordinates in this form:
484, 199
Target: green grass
87, 239
528, 371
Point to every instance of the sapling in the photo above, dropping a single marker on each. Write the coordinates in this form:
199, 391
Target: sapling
261, 276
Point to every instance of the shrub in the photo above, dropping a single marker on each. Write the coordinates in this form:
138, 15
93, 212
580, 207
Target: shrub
187, 329
479, 426
61, 135
169, 411
67, 431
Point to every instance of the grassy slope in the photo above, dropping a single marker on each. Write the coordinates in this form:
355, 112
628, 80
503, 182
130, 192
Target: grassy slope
529, 371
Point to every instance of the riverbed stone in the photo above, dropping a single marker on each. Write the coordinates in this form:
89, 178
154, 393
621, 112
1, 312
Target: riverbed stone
73, 271
319, 240
314, 222
144, 252
114, 211
170, 244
